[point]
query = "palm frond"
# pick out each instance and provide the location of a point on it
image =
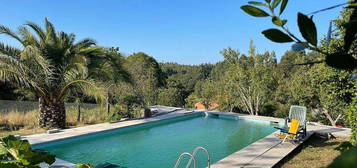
(14, 71)
(76, 71)
(27, 37)
(88, 88)
(9, 51)
(35, 27)
(92, 51)
(5, 30)
(87, 42)
(33, 58)
(51, 36)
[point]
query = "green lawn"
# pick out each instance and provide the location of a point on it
(316, 152)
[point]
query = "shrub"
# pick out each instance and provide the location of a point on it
(269, 108)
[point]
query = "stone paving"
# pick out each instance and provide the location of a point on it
(265, 152)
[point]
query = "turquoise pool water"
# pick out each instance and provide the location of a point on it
(158, 144)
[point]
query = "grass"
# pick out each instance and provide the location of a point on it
(317, 152)
(25, 123)
(21, 117)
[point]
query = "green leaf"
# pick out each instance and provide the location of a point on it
(275, 3)
(307, 29)
(276, 35)
(283, 5)
(3, 150)
(256, 3)
(9, 164)
(277, 21)
(13, 142)
(39, 156)
(21, 153)
(268, 1)
(253, 11)
(341, 61)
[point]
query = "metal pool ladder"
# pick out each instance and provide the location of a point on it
(193, 157)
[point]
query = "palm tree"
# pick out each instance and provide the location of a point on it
(50, 64)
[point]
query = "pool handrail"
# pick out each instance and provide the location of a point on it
(194, 156)
(182, 155)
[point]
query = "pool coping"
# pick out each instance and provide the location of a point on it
(265, 152)
(36, 139)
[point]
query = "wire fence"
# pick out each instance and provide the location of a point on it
(7, 106)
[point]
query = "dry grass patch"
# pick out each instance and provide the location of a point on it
(15, 120)
(317, 152)
(25, 123)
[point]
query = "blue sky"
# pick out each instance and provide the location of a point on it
(183, 31)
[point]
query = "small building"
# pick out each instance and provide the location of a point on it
(200, 106)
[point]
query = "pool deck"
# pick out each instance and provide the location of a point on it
(270, 150)
(265, 152)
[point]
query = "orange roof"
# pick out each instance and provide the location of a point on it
(200, 106)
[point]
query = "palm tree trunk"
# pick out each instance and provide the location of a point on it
(52, 115)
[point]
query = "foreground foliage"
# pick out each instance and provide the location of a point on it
(341, 58)
(16, 153)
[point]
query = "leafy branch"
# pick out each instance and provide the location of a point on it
(341, 59)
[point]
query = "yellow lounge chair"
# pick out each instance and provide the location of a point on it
(291, 133)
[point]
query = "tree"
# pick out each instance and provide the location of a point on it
(337, 50)
(146, 76)
(205, 93)
(50, 64)
(352, 113)
(340, 58)
(185, 77)
(332, 88)
(171, 97)
(249, 80)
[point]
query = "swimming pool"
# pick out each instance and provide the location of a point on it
(158, 144)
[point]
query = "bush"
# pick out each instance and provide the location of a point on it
(269, 108)
(282, 111)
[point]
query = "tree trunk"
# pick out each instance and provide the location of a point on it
(79, 112)
(52, 115)
(329, 117)
(231, 109)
